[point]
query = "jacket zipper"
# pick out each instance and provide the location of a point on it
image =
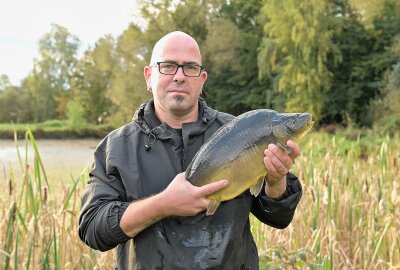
(182, 155)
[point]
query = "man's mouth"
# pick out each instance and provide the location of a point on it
(177, 91)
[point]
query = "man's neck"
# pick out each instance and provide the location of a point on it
(176, 121)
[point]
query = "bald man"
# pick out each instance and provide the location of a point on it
(138, 191)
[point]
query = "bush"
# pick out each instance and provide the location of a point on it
(76, 115)
(385, 111)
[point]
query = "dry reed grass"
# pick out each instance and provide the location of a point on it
(347, 218)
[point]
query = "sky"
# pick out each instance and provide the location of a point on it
(24, 22)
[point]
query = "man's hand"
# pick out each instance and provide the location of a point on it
(278, 163)
(184, 199)
(180, 198)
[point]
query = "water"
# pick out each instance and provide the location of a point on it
(61, 158)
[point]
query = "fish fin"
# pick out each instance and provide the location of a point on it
(256, 189)
(285, 148)
(212, 207)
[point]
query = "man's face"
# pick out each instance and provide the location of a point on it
(176, 94)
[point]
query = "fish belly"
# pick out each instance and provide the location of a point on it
(243, 172)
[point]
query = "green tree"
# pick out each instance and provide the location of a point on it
(295, 50)
(49, 81)
(76, 115)
(233, 38)
(385, 109)
(128, 87)
(4, 82)
(358, 79)
(92, 80)
(15, 105)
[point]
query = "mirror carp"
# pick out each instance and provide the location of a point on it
(236, 151)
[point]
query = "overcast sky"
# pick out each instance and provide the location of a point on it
(24, 22)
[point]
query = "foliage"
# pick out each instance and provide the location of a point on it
(295, 51)
(367, 56)
(92, 80)
(4, 82)
(128, 88)
(14, 105)
(49, 82)
(385, 111)
(76, 115)
(233, 85)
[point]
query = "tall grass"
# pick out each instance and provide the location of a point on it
(38, 225)
(347, 218)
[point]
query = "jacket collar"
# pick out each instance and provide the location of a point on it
(148, 122)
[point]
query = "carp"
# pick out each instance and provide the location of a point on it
(236, 151)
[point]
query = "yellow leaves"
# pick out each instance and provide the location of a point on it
(368, 10)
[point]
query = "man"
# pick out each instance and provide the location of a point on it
(137, 189)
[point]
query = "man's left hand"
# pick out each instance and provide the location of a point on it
(278, 163)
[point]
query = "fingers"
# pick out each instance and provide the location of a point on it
(274, 171)
(185, 199)
(295, 149)
(212, 187)
(278, 162)
(278, 158)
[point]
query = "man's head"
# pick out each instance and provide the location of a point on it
(175, 94)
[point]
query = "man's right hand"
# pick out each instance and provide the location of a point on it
(180, 198)
(184, 199)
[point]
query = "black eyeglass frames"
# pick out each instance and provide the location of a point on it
(190, 70)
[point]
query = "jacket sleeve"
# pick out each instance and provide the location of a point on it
(278, 213)
(103, 203)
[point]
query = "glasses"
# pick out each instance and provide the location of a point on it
(190, 70)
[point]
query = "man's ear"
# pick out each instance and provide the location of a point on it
(204, 76)
(147, 76)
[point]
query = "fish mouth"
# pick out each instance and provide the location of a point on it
(304, 130)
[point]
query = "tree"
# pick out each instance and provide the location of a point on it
(385, 109)
(49, 82)
(76, 115)
(365, 50)
(128, 87)
(92, 80)
(14, 105)
(230, 51)
(295, 49)
(4, 82)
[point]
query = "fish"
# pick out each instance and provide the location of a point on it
(236, 151)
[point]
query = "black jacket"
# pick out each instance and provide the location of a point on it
(124, 171)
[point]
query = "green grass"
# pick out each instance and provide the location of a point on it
(347, 218)
(54, 129)
(49, 125)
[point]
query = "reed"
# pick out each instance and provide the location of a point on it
(347, 218)
(38, 224)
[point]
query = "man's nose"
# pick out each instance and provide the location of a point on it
(179, 75)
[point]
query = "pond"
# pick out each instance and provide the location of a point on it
(61, 158)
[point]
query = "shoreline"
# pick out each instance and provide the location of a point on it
(56, 134)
